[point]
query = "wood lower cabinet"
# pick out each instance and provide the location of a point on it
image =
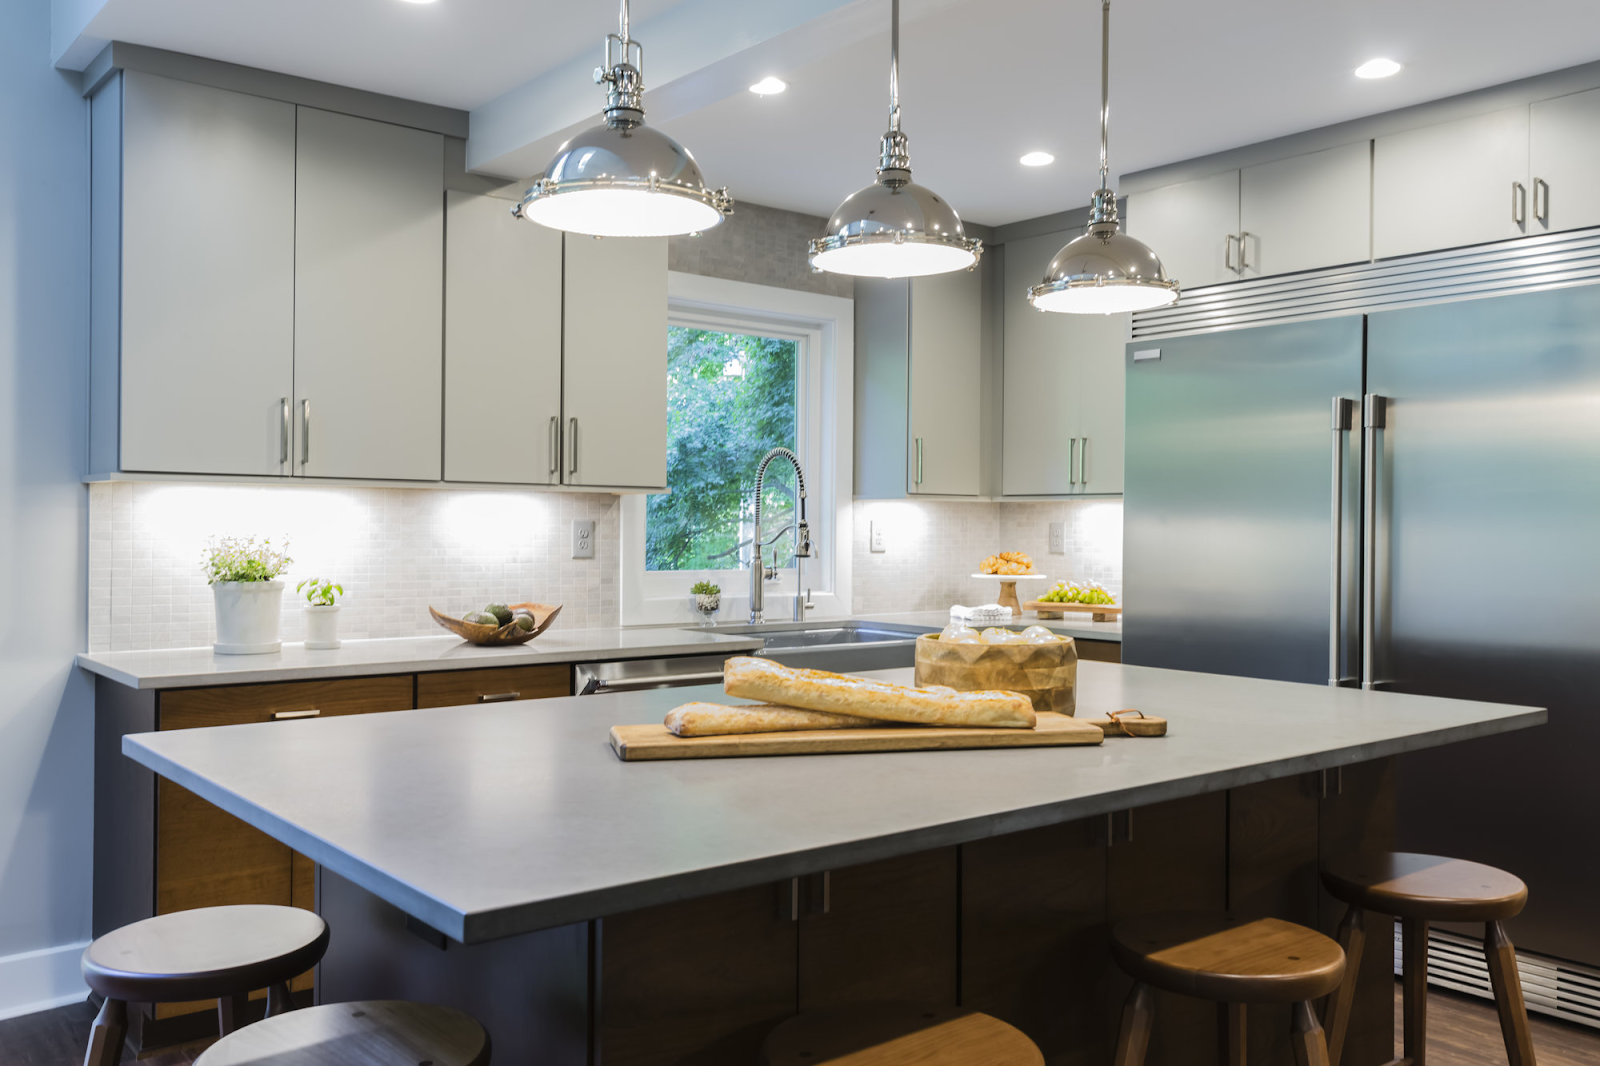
(503, 684)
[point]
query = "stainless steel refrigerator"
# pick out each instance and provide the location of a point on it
(1410, 497)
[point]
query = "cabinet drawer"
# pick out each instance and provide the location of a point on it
(239, 704)
(451, 688)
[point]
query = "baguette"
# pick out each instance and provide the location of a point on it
(819, 690)
(715, 719)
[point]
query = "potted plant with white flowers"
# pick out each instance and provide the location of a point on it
(243, 575)
(322, 612)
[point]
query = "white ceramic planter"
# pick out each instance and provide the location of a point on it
(249, 617)
(322, 627)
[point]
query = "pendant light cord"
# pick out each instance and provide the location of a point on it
(622, 20)
(1105, 86)
(894, 66)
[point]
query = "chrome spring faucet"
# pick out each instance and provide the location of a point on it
(802, 539)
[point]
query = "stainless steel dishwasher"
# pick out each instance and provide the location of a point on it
(635, 675)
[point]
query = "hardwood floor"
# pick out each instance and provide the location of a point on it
(1461, 1032)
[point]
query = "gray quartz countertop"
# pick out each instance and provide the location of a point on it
(492, 820)
(191, 667)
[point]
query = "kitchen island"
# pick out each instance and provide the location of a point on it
(503, 859)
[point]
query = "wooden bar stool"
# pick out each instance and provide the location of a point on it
(896, 1034)
(372, 1033)
(1234, 962)
(220, 953)
(1419, 889)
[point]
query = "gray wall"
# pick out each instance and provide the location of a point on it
(46, 706)
(762, 245)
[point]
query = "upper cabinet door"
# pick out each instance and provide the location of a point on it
(1041, 395)
(1193, 226)
(207, 339)
(368, 298)
(1306, 212)
(1097, 348)
(1564, 157)
(614, 362)
(946, 384)
(1460, 183)
(502, 345)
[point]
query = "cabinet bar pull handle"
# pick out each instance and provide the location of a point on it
(285, 716)
(1244, 251)
(283, 435)
(1374, 418)
(1083, 462)
(1227, 252)
(1519, 203)
(305, 432)
(572, 465)
(919, 460)
(1111, 828)
(794, 899)
(555, 445)
(1343, 419)
(499, 697)
(1072, 461)
(1541, 204)
(827, 891)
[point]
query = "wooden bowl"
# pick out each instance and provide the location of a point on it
(490, 636)
(1045, 673)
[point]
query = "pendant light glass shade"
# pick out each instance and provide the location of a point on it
(622, 178)
(1105, 271)
(894, 228)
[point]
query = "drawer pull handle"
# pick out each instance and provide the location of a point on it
(285, 716)
(499, 697)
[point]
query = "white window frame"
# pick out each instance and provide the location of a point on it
(825, 326)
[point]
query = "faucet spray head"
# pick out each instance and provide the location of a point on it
(802, 540)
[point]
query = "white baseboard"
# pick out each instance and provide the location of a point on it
(38, 980)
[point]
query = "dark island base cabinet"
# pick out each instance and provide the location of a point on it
(1016, 926)
(159, 848)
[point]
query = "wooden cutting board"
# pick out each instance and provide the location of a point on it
(1101, 612)
(648, 743)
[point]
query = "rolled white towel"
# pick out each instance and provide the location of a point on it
(988, 612)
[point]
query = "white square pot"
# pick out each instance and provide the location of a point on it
(322, 627)
(249, 617)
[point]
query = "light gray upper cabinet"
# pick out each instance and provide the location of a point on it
(502, 345)
(614, 389)
(1063, 432)
(206, 278)
(368, 299)
(1305, 212)
(1564, 160)
(1193, 226)
(1454, 184)
(946, 336)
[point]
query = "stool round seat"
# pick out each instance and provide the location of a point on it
(207, 953)
(1217, 957)
(370, 1033)
(1427, 887)
(896, 1034)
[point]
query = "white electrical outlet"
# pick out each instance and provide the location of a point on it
(875, 537)
(1058, 538)
(583, 538)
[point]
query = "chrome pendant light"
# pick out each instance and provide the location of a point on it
(622, 178)
(1105, 270)
(894, 228)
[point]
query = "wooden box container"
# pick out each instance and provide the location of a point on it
(1045, 673)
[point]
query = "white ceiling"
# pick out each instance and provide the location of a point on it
(982, 80)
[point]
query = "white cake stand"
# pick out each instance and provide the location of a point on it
(1008, 589)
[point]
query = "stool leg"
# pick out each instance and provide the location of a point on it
(277, 999)
(1231, 1033)
(1310, 1043)
(1414, 988)
(1353, 939)
(230, 1009)
(1508, 994)
(1138, 1015)
(107, 1036)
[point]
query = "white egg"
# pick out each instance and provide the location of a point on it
(995, 635)
(1039, 635)
(956, 630)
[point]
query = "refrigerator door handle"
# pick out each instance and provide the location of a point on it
(1343, 421)
(1374, 418)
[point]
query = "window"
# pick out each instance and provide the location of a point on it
(749, 368)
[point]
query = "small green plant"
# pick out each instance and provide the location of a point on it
(243, 559)
(320, 593)
(706, 588)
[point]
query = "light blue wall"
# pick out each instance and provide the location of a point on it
(46, 706)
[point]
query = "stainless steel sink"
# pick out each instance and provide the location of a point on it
(847, 646)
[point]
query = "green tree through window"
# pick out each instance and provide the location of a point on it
(730, 398)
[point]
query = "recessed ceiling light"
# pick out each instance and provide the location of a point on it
(1037, 159)
(769, 86)
(417, 1)
(1377, 68)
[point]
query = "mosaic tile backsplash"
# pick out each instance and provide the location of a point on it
(397, 551)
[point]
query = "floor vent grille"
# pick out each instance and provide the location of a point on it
(1527, 264)
(1560, 989)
